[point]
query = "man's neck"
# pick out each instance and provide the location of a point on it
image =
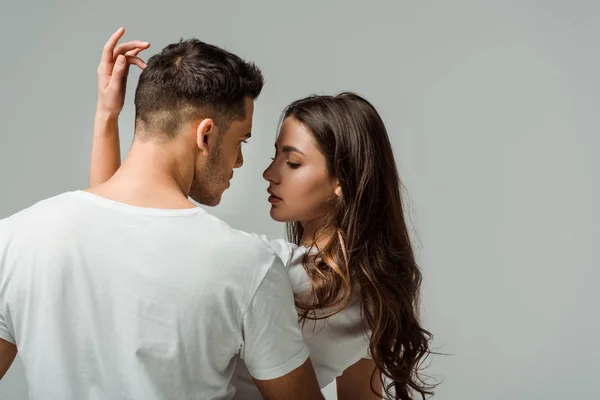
(151, 177)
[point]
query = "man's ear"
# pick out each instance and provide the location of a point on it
(206, 136)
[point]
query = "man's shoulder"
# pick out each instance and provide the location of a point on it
(33, 212)
(241, 242)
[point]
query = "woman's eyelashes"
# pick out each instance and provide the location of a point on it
(292, 165)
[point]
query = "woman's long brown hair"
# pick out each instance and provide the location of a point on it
(369, 255)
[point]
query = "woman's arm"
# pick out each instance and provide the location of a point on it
(106, 148)
(355, 382)
(112, 82)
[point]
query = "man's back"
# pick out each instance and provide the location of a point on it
(106, 300)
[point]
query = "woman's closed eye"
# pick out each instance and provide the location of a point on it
(292, 165)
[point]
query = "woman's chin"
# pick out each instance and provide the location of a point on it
(277, 215)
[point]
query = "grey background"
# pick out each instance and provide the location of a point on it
(492, 111)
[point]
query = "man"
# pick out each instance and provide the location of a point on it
(127, 290)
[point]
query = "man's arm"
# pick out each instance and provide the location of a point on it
(8, 352)
(273, 350)
(355, 382)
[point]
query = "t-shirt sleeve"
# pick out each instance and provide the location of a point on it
(367, 354)
(282, 248)
(5, 331)
(273, 344)
(5, 325)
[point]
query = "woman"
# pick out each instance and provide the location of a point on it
(333, 181)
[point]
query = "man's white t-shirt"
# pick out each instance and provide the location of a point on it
(109, 301)
(334, 343)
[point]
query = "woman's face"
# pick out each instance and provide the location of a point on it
(300, 186)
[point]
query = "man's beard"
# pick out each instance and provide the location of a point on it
(209, 184)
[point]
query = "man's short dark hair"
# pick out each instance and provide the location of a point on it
(193, 79)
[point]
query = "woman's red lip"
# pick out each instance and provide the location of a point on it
(273, 194)
(274, 199)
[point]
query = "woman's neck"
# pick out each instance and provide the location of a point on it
(312, 235)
